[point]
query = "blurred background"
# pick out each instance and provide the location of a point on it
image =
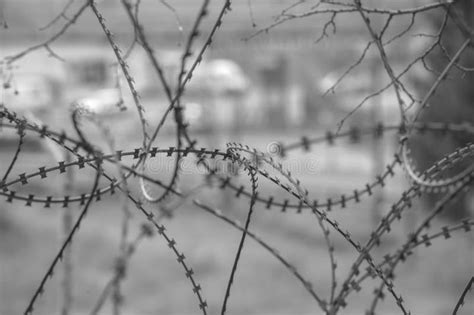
(255, 86)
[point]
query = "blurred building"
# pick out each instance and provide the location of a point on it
(285, 71)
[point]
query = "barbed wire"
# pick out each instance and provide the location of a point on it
(82, 154)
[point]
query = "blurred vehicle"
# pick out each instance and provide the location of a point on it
(114, 111)
(103, 102)
(215, 96)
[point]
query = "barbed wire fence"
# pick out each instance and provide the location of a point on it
(80, 153)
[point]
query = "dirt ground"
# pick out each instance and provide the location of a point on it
(430, 281)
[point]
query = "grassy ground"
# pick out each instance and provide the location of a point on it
(430, 281)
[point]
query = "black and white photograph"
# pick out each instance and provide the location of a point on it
(236, 157)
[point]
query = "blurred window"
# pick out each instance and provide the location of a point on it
(273, 72)
(91, 72)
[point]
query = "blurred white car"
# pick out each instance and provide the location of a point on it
(101, 102)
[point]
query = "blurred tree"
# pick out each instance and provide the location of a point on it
(453, 101)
